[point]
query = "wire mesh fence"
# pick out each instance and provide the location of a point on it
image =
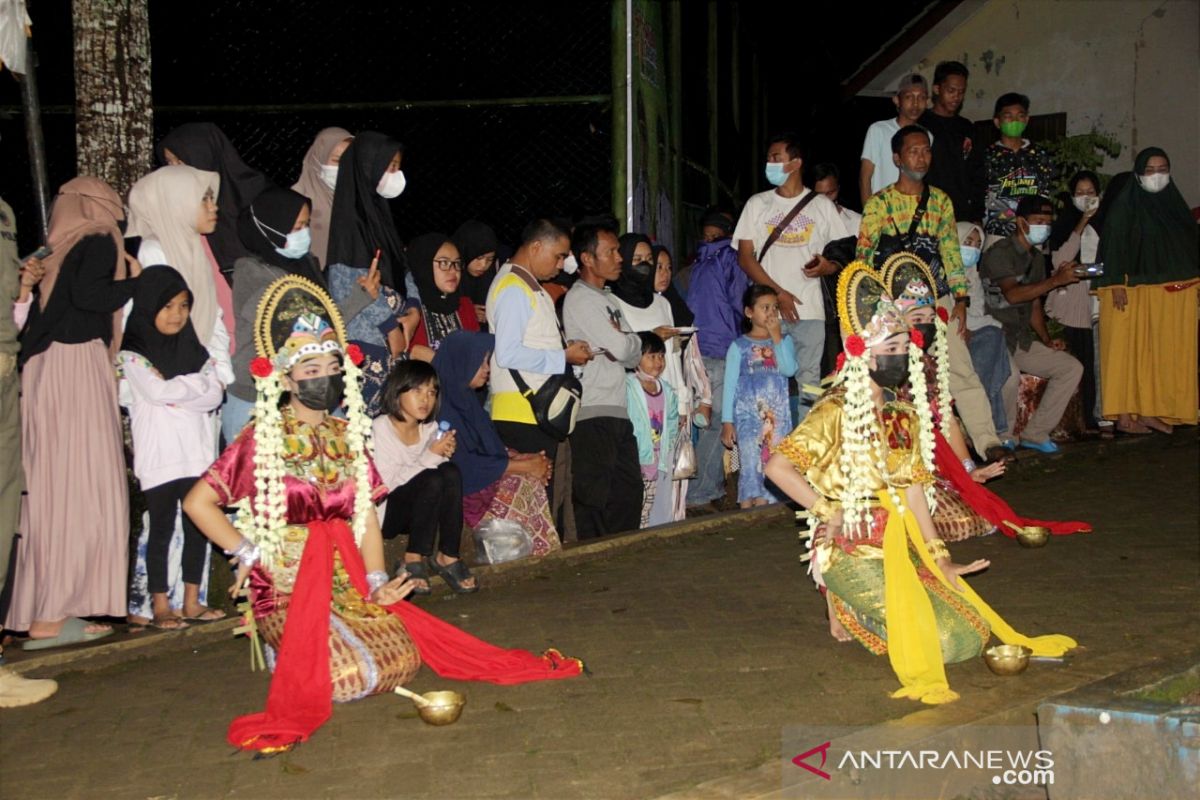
(504, 109)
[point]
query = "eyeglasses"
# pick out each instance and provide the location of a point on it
(448, 264)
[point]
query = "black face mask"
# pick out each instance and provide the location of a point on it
(928, 330)
(321, 394)
(890, 371)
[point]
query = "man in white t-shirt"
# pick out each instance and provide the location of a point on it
(877, 170)
(793, 265)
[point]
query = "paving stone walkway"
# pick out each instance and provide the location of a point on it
(701, 650)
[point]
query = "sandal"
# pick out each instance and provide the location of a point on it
(168, 622)
(454, 575)
(207, 615)
(417, 570)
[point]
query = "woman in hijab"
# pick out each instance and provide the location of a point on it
(204, 146)
(274, 230)
(73, 558)
(664, 272)
(366, 255)
(1075, 236)
(170, 385)
(497, 483)
(1148, 295)
(437, 269)
(477, 244)
(172, 209)
(318, 179)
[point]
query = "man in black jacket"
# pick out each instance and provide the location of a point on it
(957, 167)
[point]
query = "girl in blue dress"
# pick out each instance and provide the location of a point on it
(756, 414)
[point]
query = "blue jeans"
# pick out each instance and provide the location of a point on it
(709, 483)
(989, 356)
(234, 416)
(808, 335)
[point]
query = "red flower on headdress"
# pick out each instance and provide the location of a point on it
(917, 338)
(855, 345)
(943, 314)
(355, 354)
(841, 362)
(261, 367)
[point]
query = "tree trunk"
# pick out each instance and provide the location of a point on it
(114, 114)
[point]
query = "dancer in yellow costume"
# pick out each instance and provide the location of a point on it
(856, 464)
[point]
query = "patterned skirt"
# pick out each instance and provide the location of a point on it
(853, 574)
(954, 520)
(370, 651)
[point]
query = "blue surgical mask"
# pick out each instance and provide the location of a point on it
(775, 174)
(297, 245)
(970, 255)
(1038, 234)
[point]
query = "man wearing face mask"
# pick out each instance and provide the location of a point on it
(1014, 280)
(1015, 168)
(779, 238)
(912, 216)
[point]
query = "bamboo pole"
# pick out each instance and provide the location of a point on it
(713, 127)
(676, 66)
(620, 110)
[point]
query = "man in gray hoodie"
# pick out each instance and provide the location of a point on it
(607, 484)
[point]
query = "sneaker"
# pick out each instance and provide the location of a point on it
(1042, 447)
(16, 690)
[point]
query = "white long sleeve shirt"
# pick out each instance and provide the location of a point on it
(171, 420)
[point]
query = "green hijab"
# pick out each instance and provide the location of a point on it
(1149, 237)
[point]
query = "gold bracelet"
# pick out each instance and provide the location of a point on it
(822, 509)
(937, 549)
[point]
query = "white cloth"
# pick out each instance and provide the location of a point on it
(805, 237)
(851, 219)
(877, 148)
(171, 421)
(647, 319)
(397, 462)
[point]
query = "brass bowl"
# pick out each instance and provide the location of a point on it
(1007, 659)
(444, 708)
(1033, 536)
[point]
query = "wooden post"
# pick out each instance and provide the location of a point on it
(620, 111)
(114, 113)
(676, 147)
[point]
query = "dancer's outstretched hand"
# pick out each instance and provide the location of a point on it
(952, 570)
(393, 591)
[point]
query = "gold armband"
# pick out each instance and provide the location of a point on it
(937, 549)
(822, 509)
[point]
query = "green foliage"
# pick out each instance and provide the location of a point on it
(1084, 151)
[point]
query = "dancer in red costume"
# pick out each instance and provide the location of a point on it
(308, 537)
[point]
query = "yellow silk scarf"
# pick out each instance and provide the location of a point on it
(912, 636)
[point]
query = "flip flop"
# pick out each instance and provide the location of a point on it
(169, 622)
(207, 615)
(72, 633)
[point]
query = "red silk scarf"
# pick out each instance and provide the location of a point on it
(986, 504)
(301, 696)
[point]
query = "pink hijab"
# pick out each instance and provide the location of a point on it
(316, 190)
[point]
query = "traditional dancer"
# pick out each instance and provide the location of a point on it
(858, 463)
(963, 507)
(309, 541)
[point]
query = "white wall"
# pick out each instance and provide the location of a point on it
(1127, 67)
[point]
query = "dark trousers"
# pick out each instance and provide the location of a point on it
(525, 438)
(1080, 344)
(428, 508)
(607, 485)
(162, 502)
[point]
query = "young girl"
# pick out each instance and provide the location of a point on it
(755, 413)
(170, 384)
(655, 417)
(425, 487)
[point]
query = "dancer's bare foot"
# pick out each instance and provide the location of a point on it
(836, 629)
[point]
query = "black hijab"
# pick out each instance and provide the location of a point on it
(635, 285)
(419, 255)
(473, 239)
(172, 356)
(275, 209)
(361, 220)
(205, 146)
(681, 315)
(480, 454)
(1069, 216)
